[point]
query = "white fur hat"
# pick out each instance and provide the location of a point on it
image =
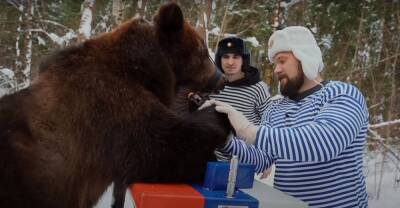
(301, 42)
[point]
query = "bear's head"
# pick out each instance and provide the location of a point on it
(162, 55)
(179, 39)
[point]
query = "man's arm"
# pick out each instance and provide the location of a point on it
(336, 126)
(249, 154)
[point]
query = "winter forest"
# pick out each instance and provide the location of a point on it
(359, 39)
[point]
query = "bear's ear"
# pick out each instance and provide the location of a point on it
(169, 22)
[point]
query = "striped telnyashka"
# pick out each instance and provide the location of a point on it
(317, 145)
(250, 100)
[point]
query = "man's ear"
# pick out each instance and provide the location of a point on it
(169, 22)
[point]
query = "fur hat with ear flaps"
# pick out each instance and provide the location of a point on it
(301, 42)
(232, 45)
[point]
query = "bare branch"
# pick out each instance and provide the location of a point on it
(56, 23)
(387, 123)
(376, 105)
(382, 60)
(377, 138)
(293, 2)
(15, 4)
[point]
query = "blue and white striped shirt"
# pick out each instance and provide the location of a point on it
(251, 100)
(317, 145)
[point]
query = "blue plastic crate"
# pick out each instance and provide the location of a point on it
(216, 177)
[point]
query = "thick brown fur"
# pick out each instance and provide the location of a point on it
(100, 112)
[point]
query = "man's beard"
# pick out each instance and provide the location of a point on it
(292, 86)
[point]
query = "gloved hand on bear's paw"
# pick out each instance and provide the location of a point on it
(244, 128)
(197, 99)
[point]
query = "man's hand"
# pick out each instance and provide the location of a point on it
(265, 173)
(244, 128)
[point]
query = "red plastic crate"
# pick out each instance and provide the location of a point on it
(166, 196)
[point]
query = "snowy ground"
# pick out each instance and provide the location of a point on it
(383, 183)
(106, 200)
(381, 194)
(383, 180)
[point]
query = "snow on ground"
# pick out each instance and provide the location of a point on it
(383, 180)
(106, 199)
(384, 194)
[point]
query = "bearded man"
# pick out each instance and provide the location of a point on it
(315, 134)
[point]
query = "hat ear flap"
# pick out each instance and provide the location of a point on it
(218, 56)
(217, 60)
(246, 58)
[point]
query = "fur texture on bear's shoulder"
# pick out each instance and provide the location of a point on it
(101, 112)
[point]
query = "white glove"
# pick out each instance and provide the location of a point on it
(244, 128)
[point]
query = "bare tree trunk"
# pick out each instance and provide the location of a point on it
(382, 172)
(141, 8)
(343, 51)
(267, 72)
(275, 19)
(24, 54)
(223, 25)
(356, 65)
(204, 19)
(85, 27)
(392, 110)
(374, 97)
(27, 60)
(19, 75)
(117, 11)
(385, 141)
(276, 15)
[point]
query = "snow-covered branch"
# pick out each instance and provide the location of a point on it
(217, 32)
(63, 40)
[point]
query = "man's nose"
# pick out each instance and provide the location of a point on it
(278, 69)
(230, 61)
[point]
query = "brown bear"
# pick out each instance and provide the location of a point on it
(101, 112)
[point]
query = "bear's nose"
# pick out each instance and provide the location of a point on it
(217, 81)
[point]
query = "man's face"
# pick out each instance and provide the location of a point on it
(231, 63)
(288, 70)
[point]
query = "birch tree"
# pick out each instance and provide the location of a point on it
(224, 23)
(117, 11)
(23, 47)
(141, 8)
(18, 67)
(27, 60)
(85, 27)
(204, 17)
